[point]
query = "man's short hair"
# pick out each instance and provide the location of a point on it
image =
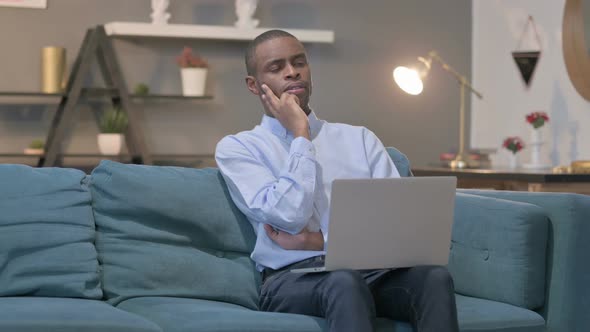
(251, 49)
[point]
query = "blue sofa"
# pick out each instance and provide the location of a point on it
(146, 248)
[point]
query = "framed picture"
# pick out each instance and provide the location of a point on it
(24, 3)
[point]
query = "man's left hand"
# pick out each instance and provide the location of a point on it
(305, 240)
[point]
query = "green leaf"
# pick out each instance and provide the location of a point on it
(113, 121)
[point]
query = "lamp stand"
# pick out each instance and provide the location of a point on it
(462, 158)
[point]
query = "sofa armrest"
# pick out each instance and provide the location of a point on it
(498, 250)
(568, 273)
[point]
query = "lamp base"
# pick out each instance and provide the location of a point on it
(458, 162)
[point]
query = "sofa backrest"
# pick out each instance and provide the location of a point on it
(46, 234)
(401, 162)
(171, 231)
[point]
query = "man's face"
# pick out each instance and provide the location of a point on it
(281, 63)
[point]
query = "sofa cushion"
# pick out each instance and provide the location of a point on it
(171, 231)
(46, 233)
(499, 250)
(479, 315)
(184, 315)
(39, 314)
(568, 295)
(188, 315)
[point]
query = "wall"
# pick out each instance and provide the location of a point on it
(497, 28)
(352, 77)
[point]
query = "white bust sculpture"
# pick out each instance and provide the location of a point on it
(159, 14)
(244, 11)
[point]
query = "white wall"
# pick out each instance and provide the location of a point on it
(497, 27)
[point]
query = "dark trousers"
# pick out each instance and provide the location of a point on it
(350, 300)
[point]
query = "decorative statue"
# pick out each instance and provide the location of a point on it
(244, 11)
(159, 14)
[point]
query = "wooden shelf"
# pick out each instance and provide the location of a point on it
(97, 47)
(100, 93)
(19, 155)
(28, 94)
(106, 92)
(99, 155)
(215, 32)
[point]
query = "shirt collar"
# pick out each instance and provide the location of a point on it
(277, 128)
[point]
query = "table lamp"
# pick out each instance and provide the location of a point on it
(410, 80)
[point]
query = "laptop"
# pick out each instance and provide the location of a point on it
(389, 223)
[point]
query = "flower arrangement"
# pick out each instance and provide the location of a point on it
(188, 59)
(514, 144)
(537, 119)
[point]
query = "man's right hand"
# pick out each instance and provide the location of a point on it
(287, 110)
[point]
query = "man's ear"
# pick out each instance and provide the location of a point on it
(251, 83)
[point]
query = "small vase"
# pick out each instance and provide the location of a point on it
(53, 69)
(513, 161)
(193, 81)
(245, 11)
(536, 136)
(535, 145)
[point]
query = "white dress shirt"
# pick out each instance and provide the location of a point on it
(285, 182)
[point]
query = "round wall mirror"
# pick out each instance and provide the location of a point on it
(576, 44)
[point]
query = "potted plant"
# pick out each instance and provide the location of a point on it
(141, 89)
(36, 147)
(112, 125)
(537, 120)
(193, 72)
(513, 144)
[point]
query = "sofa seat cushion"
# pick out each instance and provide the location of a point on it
(498, 250)
(171, 231)
(478, 315)
(43, 314)
(188, 315)
(47, 233)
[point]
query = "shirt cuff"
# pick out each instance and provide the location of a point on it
(304, 147)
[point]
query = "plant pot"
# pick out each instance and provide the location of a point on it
(35, 152)
(110, 144)
(193, 81)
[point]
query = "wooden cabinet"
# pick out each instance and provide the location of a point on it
(507, 179)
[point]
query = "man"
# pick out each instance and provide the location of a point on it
(279, 175)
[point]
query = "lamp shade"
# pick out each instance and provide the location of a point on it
(408, 80)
